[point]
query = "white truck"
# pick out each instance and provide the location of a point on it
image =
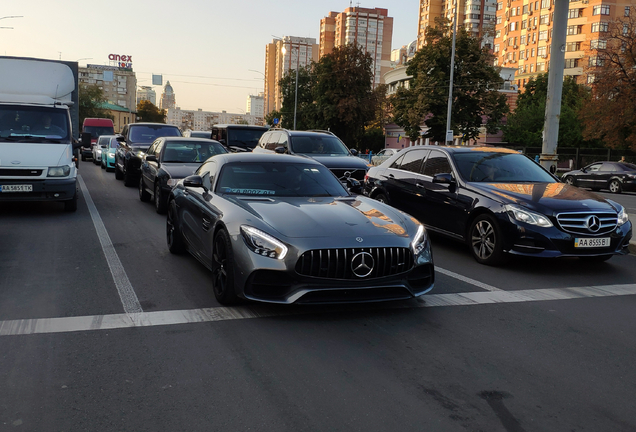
(37, 142)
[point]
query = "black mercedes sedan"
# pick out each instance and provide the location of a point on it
(284, 229)
(613, 176)
(500, 202)
(168, 160)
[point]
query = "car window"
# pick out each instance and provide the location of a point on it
(499, 167)
(272, 141)
(608, 167)
(396, 164)
(191, 151)
(593, 167)
(147, 134)
(318, 144)
(153, 148)
(437, 163)
(412, 160)
(282, 141)
(113, 143)
(262, 142)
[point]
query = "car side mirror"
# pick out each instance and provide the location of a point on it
(76, 144)
(583, 170)
(354, 152)
(103, 146)
(194, 181)
(280, 150)
(151, 158)
(444, 178)
(120, 138)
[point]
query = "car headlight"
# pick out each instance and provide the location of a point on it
(419, 241)
(140, 154)
(262, 243)
(622, 216)
(111, 154)
(522, 215)
(59, 171)
(171, 182)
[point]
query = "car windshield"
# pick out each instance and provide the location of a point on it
(96, 131)
(146, 134)
(33, 123)
(244, 137)
(318, 145)
(113, 143)
(191, 152)
(200, 134)
(497, 167)
(279, 179)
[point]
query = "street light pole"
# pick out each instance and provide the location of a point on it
(297, 66)
(450, 88)
(7, 17)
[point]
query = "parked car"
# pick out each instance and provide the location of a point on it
(322, 146)
(283, 229)
(236, 137)
(134, 140)
(615, 176)
(168, 160)
(500, 202)
(197, 134)
(96, 150)
(383, 155)
(108, 153)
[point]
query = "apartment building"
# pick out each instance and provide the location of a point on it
(255, 105)
(282, 55)
(204, 120)
(524, 31)
(371, 29)
(146, 93)
(118, 84)
(477, 16)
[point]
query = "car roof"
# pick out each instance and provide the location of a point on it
(264, 157)
(151, 124)
(233, 126)
(193, 139)
(467, 149)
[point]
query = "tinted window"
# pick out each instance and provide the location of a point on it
(147, 134)
(113, 143)
(272, 140)
(437, 163)
(318, 144)
(96, 131)
(200, 134)
(191, 152)
(396, 164)
(247, 138)
(608, 167)
(412, 160)
(499, 167)
(278, 179)
(593, 167)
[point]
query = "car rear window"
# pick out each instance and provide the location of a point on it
(147, 134)
(497, 167)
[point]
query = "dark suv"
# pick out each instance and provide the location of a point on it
(322, 146)
(133, 142)
(236, 137)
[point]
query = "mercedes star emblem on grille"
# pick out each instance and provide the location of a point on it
(362, 264)
(593, 223)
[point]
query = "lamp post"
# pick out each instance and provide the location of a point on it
(296, 91)
(7, 17)
(452, 73)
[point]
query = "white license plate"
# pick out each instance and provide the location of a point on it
(16, 188)
(591, 242)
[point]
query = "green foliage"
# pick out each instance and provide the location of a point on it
(91, 97)
(373, 139)
(148, 112)
(525, 125)
(304, 118)
(475, 94)
(269, 118)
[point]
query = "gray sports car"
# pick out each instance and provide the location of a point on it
(284, 229)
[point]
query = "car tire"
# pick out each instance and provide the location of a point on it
(485, 240)
(223, 269)
(70, 206)
(143, 193)
(83, 158)
(128, 178)
(382, 198)
(596, 259)
(570, 180)
(102, 164)
(160, 203)
(118, 174)
(174, 236)
(95, 161)
(615, 187)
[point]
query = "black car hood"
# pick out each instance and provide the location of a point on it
(179, 170)
(545, 198)
(344, 161)
(326, 216)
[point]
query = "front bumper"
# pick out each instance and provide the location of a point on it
(110, 161)
(43, 190)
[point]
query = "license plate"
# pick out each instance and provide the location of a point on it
(16, 188)
(591, 242)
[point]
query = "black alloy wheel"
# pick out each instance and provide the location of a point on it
(223, 269)
(143, 193)
(570, 180)
(485, 240)
(160, 201)
(176, 245)
(102, 164)
(615, 187)
(382, 198)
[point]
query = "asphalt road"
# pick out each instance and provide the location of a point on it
(533, 346)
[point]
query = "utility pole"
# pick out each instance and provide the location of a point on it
(449, 132)
(549, 157)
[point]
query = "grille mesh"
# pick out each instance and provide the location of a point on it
(577, 223)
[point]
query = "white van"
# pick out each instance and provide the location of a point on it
(36, 138)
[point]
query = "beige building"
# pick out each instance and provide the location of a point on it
(204, 120)
(118, 84)
(297, 52)
(524, 32)
(146, 93)
(167, 97)
(371, 29)
(477, 16)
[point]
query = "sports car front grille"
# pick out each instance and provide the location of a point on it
(9, 172)
(579, 223)
(337, 263)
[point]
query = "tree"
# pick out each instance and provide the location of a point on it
(269, 118)
(475, 94)
(610, 114)
(91, 98)
(148, 112)
(304, 117)
(525, 125)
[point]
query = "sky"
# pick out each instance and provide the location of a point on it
(206, 49)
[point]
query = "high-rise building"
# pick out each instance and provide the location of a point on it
(524, 32)
(255, 105)
(167, 97)
(297, 52)
(146, 93)
(477, 16)
(118, 84)
(371, 29)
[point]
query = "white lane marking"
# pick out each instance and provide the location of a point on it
(126, 292)
(466, 279)
(174, 317)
